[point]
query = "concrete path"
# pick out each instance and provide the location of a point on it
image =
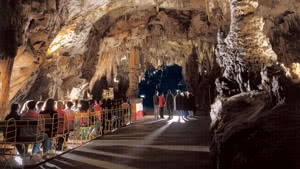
(149, 144)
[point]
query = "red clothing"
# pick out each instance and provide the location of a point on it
(125, 105)
(34, 115)
(70, 114)
(97, 107)
(161, 101)
(62, 124)
(83, 121)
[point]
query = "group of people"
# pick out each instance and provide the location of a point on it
(183, 104)
(33, 110)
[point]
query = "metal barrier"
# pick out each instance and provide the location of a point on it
(8, 136)
(87, 126)
(51, 129)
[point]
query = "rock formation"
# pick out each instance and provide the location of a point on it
(72, 43)
(255, 116)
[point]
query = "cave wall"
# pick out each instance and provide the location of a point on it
(72, 43)
(255, 116)
(69, 47)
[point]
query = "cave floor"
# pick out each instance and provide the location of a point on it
(147, 144)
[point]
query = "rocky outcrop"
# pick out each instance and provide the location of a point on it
(255, 117)
(258, 129)
(71, 44)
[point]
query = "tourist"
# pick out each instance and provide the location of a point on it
(84, 121)
(156, 104)
(97, 106)
(91, 105)
(75, 107)
(162, 103)
(191, 102)
(62, 123)
(178, 104)
(103, 105)
(170, 104)
(13, 114)
(70, 114)
(109, 104)
(24, 108)
(31, 114)
(39, 106)
(186, 104)
(49, 108)
(49, 112)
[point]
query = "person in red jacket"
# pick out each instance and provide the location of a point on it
(162, 103)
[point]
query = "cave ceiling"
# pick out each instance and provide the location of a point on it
(72, 43)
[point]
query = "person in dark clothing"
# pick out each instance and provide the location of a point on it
(13, 114)
(91, 105)
(14, 108)
(103, 105)
(156, 105)
(49, 112)
(49, 108)
(39, 106)
(186, 104)
(192, 107)
(179, 104)
(109, 104)
(170, 104)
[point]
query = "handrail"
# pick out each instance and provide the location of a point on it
(109, 119)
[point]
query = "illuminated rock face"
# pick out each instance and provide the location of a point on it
(256, 113)
(96, 38)
(72, 43)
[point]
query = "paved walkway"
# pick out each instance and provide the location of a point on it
(144, 145)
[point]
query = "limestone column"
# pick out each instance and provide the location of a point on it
(8, 48)
(134, 72)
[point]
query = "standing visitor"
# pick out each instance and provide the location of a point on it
(178, 104)
(186, 103)
(170, 104)
(156, 104)
(97, 108)
(162, 103)
(192, 104)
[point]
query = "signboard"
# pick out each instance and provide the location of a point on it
(137, 109)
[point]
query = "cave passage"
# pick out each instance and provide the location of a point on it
(161, 79)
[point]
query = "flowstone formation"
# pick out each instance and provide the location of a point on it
(255, 117)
